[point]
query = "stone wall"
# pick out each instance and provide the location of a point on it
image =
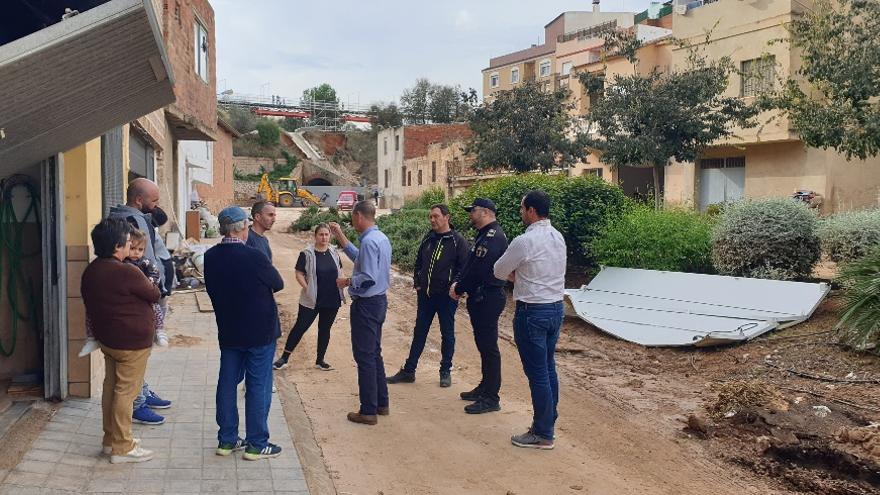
(244, 191)
(254, 164)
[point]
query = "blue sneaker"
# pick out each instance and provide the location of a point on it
(145, 416)
(156, 402)
(268, 452)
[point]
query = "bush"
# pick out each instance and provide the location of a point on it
(405, 229)
(670, 240)
(850, 236)
(766, 238)
(860, 324)
(580, 207)
(314, 216)
(269, 132)
(427, 199)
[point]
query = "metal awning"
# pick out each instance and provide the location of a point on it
(656, 308)
(72, 81)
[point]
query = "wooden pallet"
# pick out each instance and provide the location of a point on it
(204, 302)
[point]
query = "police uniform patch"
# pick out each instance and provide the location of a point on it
(481, 251)
(491, 233)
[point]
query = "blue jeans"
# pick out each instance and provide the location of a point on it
(444, 307)
(141, 399)
(254, 366)
(536, 331)
(367, 317)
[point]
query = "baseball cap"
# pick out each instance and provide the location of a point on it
(485, 203)
(231, 214)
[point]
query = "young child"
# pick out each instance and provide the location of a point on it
(136, 258)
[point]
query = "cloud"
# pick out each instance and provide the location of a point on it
(463, 19)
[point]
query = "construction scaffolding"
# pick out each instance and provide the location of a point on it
(316, 114)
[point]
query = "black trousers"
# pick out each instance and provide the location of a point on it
(304, 319)
(367, 318)
(484, 316)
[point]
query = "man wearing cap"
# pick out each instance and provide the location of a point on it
(241, 282)
(485, 302)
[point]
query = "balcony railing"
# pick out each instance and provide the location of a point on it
(588, 33)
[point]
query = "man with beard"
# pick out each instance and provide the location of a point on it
(485, 302)
(142, 198)
(263, 214)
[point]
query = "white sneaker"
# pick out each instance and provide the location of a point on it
(90, 346)
(137, 454)
(107, 450)
(162, 339)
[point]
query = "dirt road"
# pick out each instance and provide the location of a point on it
(428, 445)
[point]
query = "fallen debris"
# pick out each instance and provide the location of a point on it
(655, 308)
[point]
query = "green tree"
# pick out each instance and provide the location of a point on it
(321, 93)
(242, 119)
(839, 108)
(525, 129)
(291, 124)
(416, 102)
(383, 116)
(268, 132)
(646, 120)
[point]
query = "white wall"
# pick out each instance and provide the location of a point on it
(195, 162)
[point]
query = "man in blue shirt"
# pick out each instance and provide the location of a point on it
(367, 286)
(263, 214)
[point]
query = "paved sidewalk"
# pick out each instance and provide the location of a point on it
(66, 457)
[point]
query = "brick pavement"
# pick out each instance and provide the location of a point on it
(66, 457)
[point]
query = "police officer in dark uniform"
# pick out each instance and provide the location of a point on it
(485, 302)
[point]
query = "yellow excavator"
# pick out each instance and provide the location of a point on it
(286, 194)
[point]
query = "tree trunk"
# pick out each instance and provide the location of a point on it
(658, 198)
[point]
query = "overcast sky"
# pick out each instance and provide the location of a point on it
(372, 50)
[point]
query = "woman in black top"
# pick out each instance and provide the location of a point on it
(317, 269)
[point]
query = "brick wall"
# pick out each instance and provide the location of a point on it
(417, 138)
(220, 193)
(195, 97)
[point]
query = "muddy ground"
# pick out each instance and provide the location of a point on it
(632, 419)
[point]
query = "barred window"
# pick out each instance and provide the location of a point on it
(758, 75)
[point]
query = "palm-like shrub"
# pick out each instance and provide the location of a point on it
(860, 324)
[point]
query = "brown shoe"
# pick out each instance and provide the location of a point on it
(365, 419)
(383, 411)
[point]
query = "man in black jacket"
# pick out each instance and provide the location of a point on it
(440, 257)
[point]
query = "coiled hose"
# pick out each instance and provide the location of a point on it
(12, 256)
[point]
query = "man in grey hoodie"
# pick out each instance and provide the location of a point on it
(142, 197)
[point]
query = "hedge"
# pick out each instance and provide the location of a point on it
(426, 200)
(669, 240)
(850, 236)
(774, 238)
(580, 207)
(405, 229)
(313, 216)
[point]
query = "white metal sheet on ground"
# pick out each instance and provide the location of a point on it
(597, 297)
(678, 309)
(792, 298)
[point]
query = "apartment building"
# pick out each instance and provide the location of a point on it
(770, 159)
(539, 62)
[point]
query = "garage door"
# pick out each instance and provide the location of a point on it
(721, 180)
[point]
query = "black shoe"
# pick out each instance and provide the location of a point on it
(323, 366)
(475, 394)
(483, 405)
(281, 363)
(445, 379)
(402, 376)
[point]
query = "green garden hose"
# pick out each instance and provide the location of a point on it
(12, 256)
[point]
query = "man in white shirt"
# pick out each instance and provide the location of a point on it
(535, 262)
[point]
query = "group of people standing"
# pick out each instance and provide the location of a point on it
(125, 308)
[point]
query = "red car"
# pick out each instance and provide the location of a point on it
(346, 200)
